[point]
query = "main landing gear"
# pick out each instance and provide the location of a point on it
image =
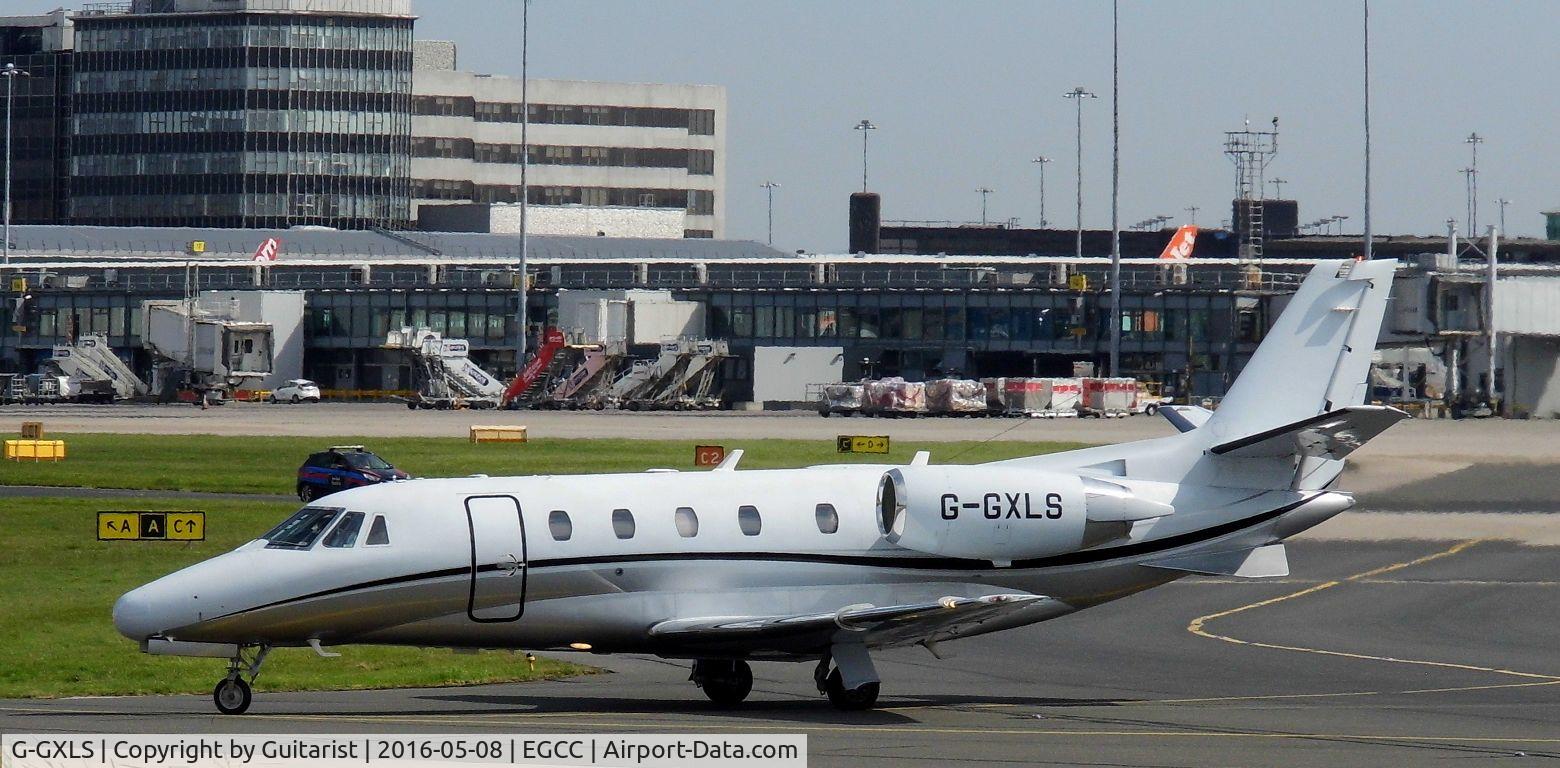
(726, 681)
(862, 697)
(233, 695)
(852, 686)
(845, 674)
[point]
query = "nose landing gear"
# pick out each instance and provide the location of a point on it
(233, 695)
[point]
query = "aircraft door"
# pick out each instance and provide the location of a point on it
(497, 559)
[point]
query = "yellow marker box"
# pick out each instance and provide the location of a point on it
(35, 450)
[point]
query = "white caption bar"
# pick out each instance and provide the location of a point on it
(393, 751)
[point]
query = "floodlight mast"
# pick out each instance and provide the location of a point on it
(1078, 94)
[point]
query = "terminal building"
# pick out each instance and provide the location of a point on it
(1190, 327)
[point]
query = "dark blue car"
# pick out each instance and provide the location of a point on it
(342, 467)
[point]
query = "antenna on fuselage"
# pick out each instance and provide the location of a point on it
(729, 464)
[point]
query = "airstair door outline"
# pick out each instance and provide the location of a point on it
(498, 567)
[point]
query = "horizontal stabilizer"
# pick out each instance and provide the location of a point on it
(1262, 562)
(1331, 435)
(1185, 417)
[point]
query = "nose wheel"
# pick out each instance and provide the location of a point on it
(233, 695)
(726, 681)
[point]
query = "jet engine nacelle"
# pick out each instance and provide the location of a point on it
(1005, 514)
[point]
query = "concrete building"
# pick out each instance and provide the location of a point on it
(592, 144)
(574, 220)
(243, 113)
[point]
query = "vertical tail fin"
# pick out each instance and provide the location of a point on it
(1316, 358)
(1181, 244)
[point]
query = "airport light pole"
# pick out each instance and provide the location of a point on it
(1473, 141)
(525, 190)
(1502, 202)
(1192, 209)
(1040, 162)
(1278, 187)
(864, 126)
(1115, 189)
(984, 193)
(10, 73)
(1365, 44)
(1079, 94)
(769, 187)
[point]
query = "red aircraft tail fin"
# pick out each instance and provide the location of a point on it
(1180, 246)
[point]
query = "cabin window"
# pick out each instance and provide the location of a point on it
(346, 532)
(828, 519)
(559, 525)
(623, 523)
(748, 520)
(301, 530)
(378, 534)
(687, 522)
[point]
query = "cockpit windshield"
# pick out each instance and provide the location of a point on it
(302, 529)
(365, 461)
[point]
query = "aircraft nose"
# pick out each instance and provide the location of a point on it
(134, 615)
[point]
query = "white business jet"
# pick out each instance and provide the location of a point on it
(823, 564)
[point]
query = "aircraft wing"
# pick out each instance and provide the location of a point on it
(1331, 435)
(876, 626)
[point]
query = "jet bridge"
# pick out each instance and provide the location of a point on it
(198, 345)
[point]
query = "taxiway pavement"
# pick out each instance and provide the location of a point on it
(1372, 653)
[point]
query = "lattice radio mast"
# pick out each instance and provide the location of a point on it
(1251, 151)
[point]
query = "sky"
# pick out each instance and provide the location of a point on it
(965, 94)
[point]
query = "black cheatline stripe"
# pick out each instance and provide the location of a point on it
(911, 563)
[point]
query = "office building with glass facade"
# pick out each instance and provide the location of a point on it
(243, 113)
(40, 46)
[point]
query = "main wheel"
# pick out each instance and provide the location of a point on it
(727, 683)
(853, 700)
(232, 696)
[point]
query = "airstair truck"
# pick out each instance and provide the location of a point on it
(447, 376)
(93, 363)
